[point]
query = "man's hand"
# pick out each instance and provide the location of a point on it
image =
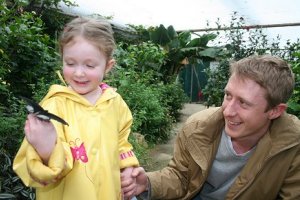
(130, 182)
(130, 188)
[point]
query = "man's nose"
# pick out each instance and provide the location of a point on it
(229, 108)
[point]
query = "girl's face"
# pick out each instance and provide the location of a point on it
(84, 66)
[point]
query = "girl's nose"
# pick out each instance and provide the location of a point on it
(79, 71)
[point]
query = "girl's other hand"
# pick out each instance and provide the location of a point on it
(128, 183)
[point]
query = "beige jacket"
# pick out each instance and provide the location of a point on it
(273, 171)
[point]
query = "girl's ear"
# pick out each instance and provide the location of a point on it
(277, 111)
(109, 65)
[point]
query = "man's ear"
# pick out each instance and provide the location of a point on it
(277, 111)
(109, 65)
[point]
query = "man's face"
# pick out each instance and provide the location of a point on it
(244, 109)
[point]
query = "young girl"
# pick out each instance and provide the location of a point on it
(82, 160)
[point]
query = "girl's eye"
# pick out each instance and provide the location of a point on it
(70, 64)
(90, 66)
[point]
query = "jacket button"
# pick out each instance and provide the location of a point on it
(94, 151)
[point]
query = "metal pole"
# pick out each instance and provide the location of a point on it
(192, 77)
(243, 27)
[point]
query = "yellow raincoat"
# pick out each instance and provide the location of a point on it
(89, 153)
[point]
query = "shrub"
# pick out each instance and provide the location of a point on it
(214, 89)
(294, 102)
(154, 105)
(11, 133)
(240, 43)
(27, 53)
(173, 97)
(151, 118)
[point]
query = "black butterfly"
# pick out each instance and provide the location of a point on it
(38, 111)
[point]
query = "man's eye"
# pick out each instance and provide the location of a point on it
(227, 95)
(244, 103)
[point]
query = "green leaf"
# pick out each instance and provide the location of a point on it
(294, 106)
(210, 52)
(7, 196)
(172, 33)
(184, 38)
(202, 41)
(160, 36)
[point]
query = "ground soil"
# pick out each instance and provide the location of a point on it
(160, 155)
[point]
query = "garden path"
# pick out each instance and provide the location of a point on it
(161, 154)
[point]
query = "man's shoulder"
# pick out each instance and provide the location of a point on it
(203, 127)
(286, 127)
(206, 114)
(289, 120)
(204, 120)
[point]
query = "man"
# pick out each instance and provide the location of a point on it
(247, 149)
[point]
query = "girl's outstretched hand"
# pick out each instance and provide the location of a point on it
(41, 135)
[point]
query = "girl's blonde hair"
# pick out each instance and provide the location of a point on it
(98, 31)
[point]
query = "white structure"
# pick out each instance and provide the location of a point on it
(194, 14)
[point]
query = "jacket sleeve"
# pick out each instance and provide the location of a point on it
(29, 166)
(171, 182)
(291, 184)
(127, 156)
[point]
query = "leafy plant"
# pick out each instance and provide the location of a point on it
(143, 99)
(294, 102)
(240, 42)
(173, 97)
(182, 49)
(11, 133)
(27, 53)
(214, 89)
(153, 103)
(145, 57)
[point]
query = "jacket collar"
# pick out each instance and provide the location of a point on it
(282, 135)
(205, 132)
(204, 136)
(63, 91)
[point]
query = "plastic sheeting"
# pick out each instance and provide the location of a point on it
(194, 14)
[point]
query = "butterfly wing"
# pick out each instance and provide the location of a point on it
(57, 118)
(35, 108)
(32, 107)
